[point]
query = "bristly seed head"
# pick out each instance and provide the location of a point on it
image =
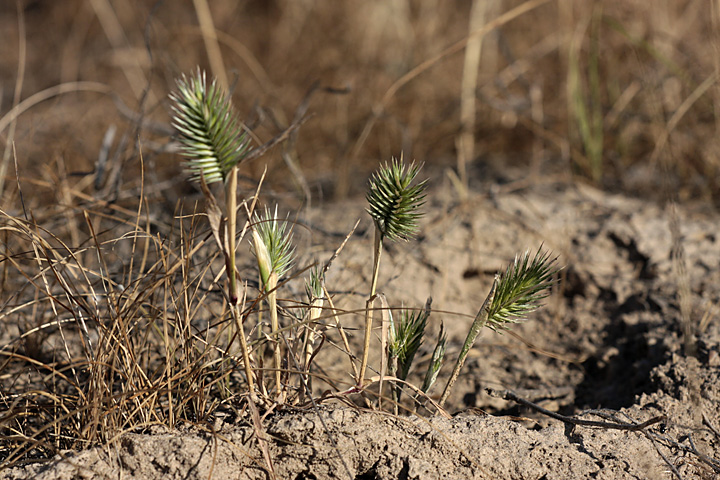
(522, 287)
(272, 245)
(213, 140)
(393, 202)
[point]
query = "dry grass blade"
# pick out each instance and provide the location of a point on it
(47, 94)
(115, 34)
(19, 79)
(210, 37)
(473, 49)
(379, 108)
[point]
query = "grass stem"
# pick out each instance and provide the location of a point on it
(274, 327)
(480, 321)
(368, 317)
(231, 199)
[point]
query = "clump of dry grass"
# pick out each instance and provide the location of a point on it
(126, 330)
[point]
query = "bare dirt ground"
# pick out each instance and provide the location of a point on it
(609, 341)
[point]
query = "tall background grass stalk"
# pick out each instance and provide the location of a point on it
(585, 94)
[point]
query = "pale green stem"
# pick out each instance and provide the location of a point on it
(274, 327)
(315, 311)
(376, 264)
(368, 317)
(231, 200)
(261, 347)
(478, 324)
(244, 349)
(392, 371)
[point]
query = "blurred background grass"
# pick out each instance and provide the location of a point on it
(622, 94)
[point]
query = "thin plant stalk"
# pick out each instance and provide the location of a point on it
(268, 280)
(274, 327)
(214, 145)
(468, 95)
(368, 317)
(315, 309)
(478, 324)
(314, 289)
(315, 312)
(377, 253)
(343, 336)
(261, 347)
(245, 351)
(231, 199)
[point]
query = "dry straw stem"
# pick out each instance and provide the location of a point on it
(19, 79)
(473, 50)
(49, 93)
(379, 107)
(250, 60)
(230, 261)
(343, 335)
(202, 9)
(117, 38)
(680, 113)
(123, 390)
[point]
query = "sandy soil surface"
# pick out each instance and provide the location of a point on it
(608, 347)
